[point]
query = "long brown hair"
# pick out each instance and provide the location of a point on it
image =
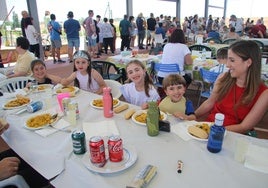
(245, 50)
(147, 80)
(82, 54)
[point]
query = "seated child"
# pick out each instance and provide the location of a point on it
(222, 59)
(140, 90)
(175, 103)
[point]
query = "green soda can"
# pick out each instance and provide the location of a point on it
(79, 142)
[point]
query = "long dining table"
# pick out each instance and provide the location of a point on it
(53, 156)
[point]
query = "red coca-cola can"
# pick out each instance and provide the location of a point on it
(97, 151)
(115, 147)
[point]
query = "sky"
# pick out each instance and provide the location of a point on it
(241, 8)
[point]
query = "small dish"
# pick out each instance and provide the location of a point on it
(43, 87)
(139, 112)
(70, 89)
(116, 103)
(198, 123)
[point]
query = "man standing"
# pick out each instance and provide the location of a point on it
(140, 21)
(151, 23)
(24, 15)
(72, 28)
(90, 27)
(124, 27)
(54, 29)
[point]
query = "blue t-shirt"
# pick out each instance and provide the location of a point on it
(72, 28)
(54, 35)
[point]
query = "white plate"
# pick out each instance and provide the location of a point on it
(194, 137)
(16, 107)
(45, 86)
(76, 89)
(91, 104)
(41, 127)
(145, 111)
(129, 158)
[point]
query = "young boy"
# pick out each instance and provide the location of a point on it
(175, 103)
(222, 59)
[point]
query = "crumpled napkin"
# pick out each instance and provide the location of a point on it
(257, 158)
(102, 128)
(61, 124)
(17, 92)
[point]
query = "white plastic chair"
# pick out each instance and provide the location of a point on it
(115, 86)
(16, 180)
(158, 39)
(11, 84)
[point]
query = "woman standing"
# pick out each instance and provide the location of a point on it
(33, 36)
(133, 31)
(240, 93)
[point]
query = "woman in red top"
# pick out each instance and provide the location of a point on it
(240, 93)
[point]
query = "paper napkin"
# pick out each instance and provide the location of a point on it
(180, 129)
(61, 124)
(102, 128)
(257, 158)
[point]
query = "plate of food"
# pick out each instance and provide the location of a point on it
(98, 103)
(129, 158)
(19, 102)
(65, 89)
(40, 121)
(43, 87)
(199, 130)
(139, 117)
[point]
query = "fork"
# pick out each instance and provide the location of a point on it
(55, 116)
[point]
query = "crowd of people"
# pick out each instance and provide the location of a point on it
(238, 93)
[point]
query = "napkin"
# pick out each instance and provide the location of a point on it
(257, 158)
(102, 128)
(61, 124)
(180, 129)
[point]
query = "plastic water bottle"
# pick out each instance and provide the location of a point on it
(107, 102)
(216, 135)
(203, 57)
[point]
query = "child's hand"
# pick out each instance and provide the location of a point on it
(144, 106)
(180, 115)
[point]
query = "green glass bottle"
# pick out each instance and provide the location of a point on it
(152, 120)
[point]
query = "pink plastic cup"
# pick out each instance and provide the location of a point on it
(61, 96)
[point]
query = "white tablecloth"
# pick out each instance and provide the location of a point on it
(53, 154)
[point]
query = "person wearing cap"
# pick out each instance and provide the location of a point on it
(84, 76)
(54, 29)
(72, 28)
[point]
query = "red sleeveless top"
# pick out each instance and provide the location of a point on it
(226, 106)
